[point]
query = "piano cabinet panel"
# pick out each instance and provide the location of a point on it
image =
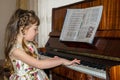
(64, 73)
(114, 73)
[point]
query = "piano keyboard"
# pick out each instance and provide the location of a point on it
(85, 69)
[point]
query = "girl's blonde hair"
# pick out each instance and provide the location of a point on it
(20, 19)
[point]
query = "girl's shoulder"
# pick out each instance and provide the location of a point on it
(16, 47)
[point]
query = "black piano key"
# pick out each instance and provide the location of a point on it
(93, 65)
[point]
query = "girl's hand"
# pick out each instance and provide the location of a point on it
(56, 57)
(68, 62)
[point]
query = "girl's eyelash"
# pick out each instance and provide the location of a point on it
(36, 29)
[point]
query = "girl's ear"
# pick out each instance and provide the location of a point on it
(22, 31)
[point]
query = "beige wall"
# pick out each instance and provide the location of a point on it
(7, 7)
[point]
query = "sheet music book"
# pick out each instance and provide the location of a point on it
(80, 25)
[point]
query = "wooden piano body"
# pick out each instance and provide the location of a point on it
(103, 53)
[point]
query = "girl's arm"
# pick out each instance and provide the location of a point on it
(42, 64)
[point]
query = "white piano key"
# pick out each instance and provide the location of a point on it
(89, 70)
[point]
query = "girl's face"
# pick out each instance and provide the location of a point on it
(31, 32)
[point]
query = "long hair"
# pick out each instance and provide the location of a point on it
(21, 18)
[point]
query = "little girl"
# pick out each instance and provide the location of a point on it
(20, 49)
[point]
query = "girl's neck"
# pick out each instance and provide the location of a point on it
(19, 39)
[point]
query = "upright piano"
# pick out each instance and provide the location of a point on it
(96, 58)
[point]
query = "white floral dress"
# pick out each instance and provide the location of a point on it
(23, 71)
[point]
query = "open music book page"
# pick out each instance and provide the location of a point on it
(80, 25)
